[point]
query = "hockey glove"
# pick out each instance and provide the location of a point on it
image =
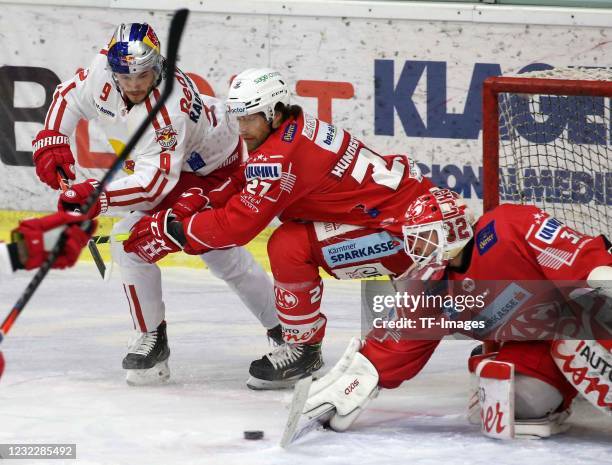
(52, 151)
(154, 237)
(36, 237)
(349, 386)
(75, 197)
(190, 202)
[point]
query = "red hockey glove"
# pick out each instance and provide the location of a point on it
(74, 198)
(51, 151)
(39, 235)
(151, 239)
(190, 202)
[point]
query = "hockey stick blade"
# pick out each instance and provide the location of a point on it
(298, 425)
(97, 257)
(174, 38)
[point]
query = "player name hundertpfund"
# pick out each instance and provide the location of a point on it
(427, 323)
(414, 302)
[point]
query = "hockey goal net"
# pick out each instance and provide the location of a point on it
(547, 139)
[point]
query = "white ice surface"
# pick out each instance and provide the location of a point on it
(64, 384)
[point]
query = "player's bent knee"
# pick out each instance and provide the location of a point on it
(289, 242)
(228, 264)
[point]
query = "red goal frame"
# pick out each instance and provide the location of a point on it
(495, 85)
(492, 87)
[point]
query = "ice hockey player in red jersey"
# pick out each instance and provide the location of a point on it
(505, 256)
(191, 144)
(341, 205)
(33, 239)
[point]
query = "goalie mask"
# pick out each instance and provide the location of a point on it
(134, 48)
(437, 226)
(257, 90)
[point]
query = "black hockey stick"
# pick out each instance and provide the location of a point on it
(106, 239)
(64, 183)
(174, 38)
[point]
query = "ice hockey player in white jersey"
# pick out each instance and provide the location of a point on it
(191, 146)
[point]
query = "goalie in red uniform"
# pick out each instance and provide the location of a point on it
(517, 247)
(340, 202)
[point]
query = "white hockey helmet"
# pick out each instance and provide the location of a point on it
(257, 90)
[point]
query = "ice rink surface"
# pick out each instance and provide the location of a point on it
(64, 384)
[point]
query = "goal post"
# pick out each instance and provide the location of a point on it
(547, 141)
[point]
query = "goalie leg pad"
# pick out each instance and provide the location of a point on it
(587, 365)
(473, 414)
(349, 386)
(517, 406)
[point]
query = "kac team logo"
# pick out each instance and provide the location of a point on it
(285, 299)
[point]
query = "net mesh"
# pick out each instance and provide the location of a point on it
(555, 152)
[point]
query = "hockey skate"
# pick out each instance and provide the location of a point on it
(284, 366)
(147, 358)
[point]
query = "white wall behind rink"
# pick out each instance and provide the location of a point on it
(429, 57)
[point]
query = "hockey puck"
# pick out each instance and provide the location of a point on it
(253, 435)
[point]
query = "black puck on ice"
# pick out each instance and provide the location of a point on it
(253, 435)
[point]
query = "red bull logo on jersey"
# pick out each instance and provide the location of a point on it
(166, 137)
(263, 171)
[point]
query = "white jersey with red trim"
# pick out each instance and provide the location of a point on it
(192, 132)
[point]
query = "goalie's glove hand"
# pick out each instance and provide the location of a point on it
(154, 237)
(74, 198)
(190, 202)
(349, 386)
(36, 237)
(52, 151)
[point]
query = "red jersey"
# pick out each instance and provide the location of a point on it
(516, 253)
(310, 170)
